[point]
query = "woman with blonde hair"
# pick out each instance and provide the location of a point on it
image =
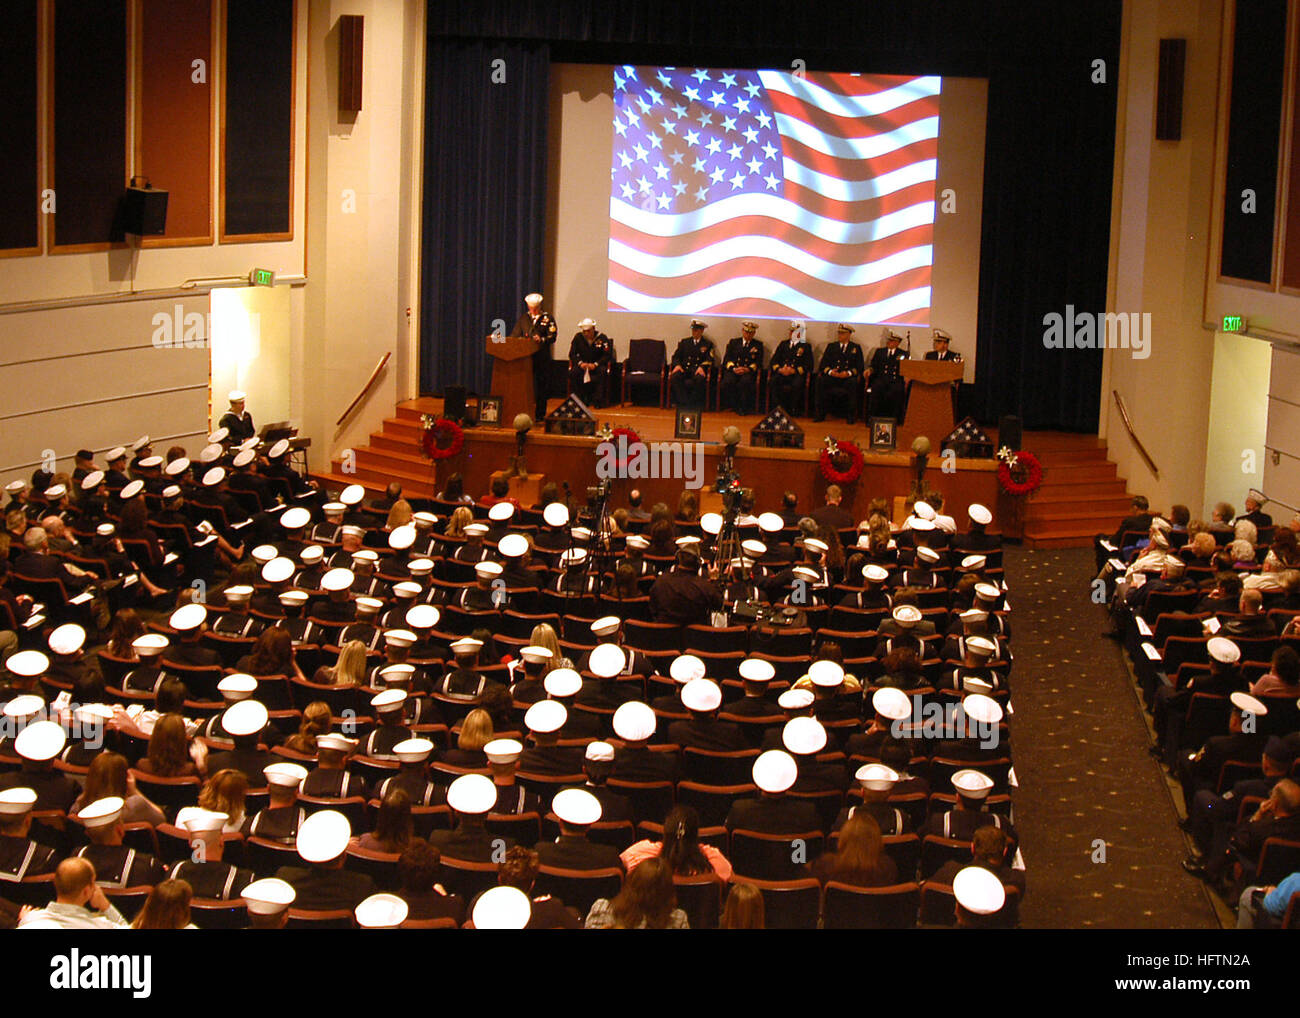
(167, 907)
(315, 722)
(543, 635)
(460, 518)
(399, 515)
(223, 793)
(744, 910)
(348, 671)
(476, 731)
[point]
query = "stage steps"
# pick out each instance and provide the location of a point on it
(1082, 493)
(392, 454)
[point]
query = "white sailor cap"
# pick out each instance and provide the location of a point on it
(637, 541)
(546, 716)
(472, 793)
(556, 514)
(212, 478)
(503, 751)
(906, 615)
(237, 396)
(1220, 648)
(397, 674)
(806, 573)
(466, 645)
(264, 553)
(701, 695)
(311, 554)
(775, 771)
(337, 579)
(92, 480)
(599, 752)
(351, 530)
(106, 530)
(114, 454)
(981, 646)
(687, 541)
(67, 639)
(587, 323)
(607, 660)
(535, 655)
(581, 534)
(210, 453)
(28, 705)
(476, 529)
(203, 821)
(927, 555)
(978, 890)
(295, 518)
(323, 836)
(826, 674)
(876, 777)
(237, 685)
(365, 555)
(816, 544)
(269, 896)
(606, 625)
(413, 750)
(803, 736)
(770, 523)
(246, 717)
(924, 510)
(973, 684)
(533, 298)
(171, 491)
(573, 557)
(368, 605)
(421, 519)
(102, 812)
(278, 570)
(406, 589)
(140, 443)
(352, 494)
(238, 594)
(502, 908)
(131, 489)
(17, 801)
(55, 491)
(285, 775)
(697, 324)
(399, 637)
(421, 616)
(752, 549)
(188, 617)
(875, 573)
(278, 449)
(148, 645)
(487, 570)
(973, 615)
(177, 467)
(921, 523)
(381, 911)
(500, 512)
(245, 457)
(982, 709)
(335, 741)
(41, 740)
(891, 703)
(974, 563)
(634, 721)
(420, 566)
(576, 806)
(987, 592)
(1248, 704)
(686, 667)
(711, 523)
(972, 784)
(795, 699)
(513, 545)
(401, 538)
(979, 514)
(389, 700)
(754, 669)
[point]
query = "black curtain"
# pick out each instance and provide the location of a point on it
(1048, 163)
(484, 199)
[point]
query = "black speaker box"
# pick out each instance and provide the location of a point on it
(453, 402)
(144, 211)
(1009, 432)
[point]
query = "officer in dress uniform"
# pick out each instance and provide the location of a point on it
(877, 782)
(206, 873)
(513, 798)
(840, 375)
(390, 728)
(689, 375)
(20, 856)
(590, 356)
(115, 478)
(237, 421)
(941, 352)
(471, 798)
(463, 682)
(282, 817)
(539, 326)
(885, 378)
(792, 365)
(742, 364)
(331, 778)
(413, 775)
(961, 823)
(116, 866)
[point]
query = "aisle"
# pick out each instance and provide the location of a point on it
(1082, 763)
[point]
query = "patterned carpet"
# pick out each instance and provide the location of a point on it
(1081, 760)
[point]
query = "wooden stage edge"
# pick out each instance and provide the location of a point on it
(769, 472)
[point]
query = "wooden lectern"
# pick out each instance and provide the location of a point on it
(512, 375)
(929, 402)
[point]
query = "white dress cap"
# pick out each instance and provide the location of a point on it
(247, 717)
(535, 655)
(982, 709)
(606, 625)
(501, 511)
(67, 639)
(285, 775)
(756, 670)
(292, 598)
(278, 570)
(238, 594)
(401, 538)
(556, 514)
(406, 589)
(365, 555)
(264, 553)
(237, 687)
(399, 637)
(92, 480)
(41, 740)
(979, 890)
(421, 616)
(352, 494)
(103, 812)
(502, 908)
(368, 605)
(891, 704)
(701, 695)
(177, 467)
(57, 491)
(397, 674)
(278, 449)
(607, 660)
(1248, 704)
(503, 751)
(149, 645)
(770, 523)
(637, 541)
(268, 897)
(472, 793)
(546, 716)
(804, 736)
(466, 645)
(211, 479)
(906, 615)
(599, 752)
(826, 674)
(337, 742)
(752, 550)
(987, 592)
(573, 557)
(795, 699)
(413, 750)
(487, 570)
(420, 566)
(816, 544)
(388, 701)
(210, 453)
(513, 545)
(140, 443)
(634, 721)
(204, 821)
(295, 518)
(982, 646)
(924, 510)
(979, 514)
(311, 554)
(876, 777)
(921, 523)
(927, 555)
(242, 458)
(972, 784)
(132, 489)
(23, 707)
(381, 912)
(17, 801)
(875, 573)
(171, 491)
(1220, 648)
(711, 523)
(323, 836)
(337, 579)
(576, 806)
(775, 771)
(476, 529)
(686, 667)
(188, 617)
(116, 453)
(562, 682)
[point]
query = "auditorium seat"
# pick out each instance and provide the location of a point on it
(848, 907)
(646, 364)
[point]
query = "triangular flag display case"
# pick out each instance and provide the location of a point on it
(777, 431)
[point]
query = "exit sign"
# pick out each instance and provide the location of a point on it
(1233, 323)
(262, 277)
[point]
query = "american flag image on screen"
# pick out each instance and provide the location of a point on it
(773, 194)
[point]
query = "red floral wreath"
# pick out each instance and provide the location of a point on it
(1025, 479)
(443, 439)
(633, 440)
(850, 473)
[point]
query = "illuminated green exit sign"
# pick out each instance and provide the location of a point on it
(262, 277)
(1233, 323)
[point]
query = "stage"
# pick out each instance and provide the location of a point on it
(395, 454)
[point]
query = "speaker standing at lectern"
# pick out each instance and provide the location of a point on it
(942, 353)
(540, 326)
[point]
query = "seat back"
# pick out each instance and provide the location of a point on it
(1278, 859)
(790, 904)
(773, 856)
(217, 914)
(846, 907)
(579, 888)
(380, 866)
(718, 767)
(651, 800)
(700, 897)
(936, 850)
(319, 919)
(712, 803)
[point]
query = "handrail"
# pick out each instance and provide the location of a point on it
(365, 388)
(1123, 413)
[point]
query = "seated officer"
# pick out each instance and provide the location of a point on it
(590, 355)
(792, 365)
(840, 375)
(885, 378)
(742, 364)
(689, 375)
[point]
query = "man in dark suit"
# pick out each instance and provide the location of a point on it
(840, 375)
(577, 809)
(682, 595)
(1139, 521)
(702, 698)
(324, 884)
(37, 563)
(689, 375)
(832, 515)
(742, 364)
(792, 366)
(590, 355)
(539, 326)
(471, 797)
(775, 772)
(635, 724)
(885, 379)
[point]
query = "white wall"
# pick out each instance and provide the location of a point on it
(1238, 420)
(1282, 480)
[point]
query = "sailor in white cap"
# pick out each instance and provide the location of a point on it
(742, 365)
(1169, 709)
(973, 788)
(703, 698)
(634, 549)
(538, 326)
(20, 856)
(473, 549)
(502, 908)
(463, 681)
(39, 744)
(206, 871)
(877, 782)
(759, 701)
(280, 819)
(324, 883)
(312, 560)
(609, 663)
(792, 367)
(115, 865)
(489, 592)
(513, 798)
(977, 663)
(148, 675)
(772, 811)
(382, 911)
(545, 720)
(576, 809)
(693, 363)
(471, 798)
(598, 766)
(976, 537)
(350, 539)
(529, 671)
(389, 707)
(634, 726)
(331, 779)
(980, 898)
(1247, 737)
(590, 355)
(412, 776)
(268, 902)
(237, 621)
(237, 421)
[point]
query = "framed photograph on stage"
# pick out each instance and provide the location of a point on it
(688, 425)
(883, 438)
(489, 410)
